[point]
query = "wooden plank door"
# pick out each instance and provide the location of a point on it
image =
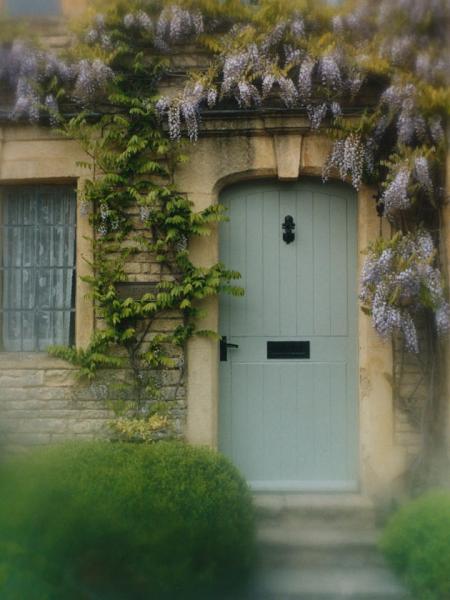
(291, 423)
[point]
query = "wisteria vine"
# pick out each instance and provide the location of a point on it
(398, 278)
(389, 56)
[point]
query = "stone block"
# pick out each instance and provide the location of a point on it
(88, 426)
(170, 377)
(59, 377)
(37, 395)
(90, 414)
(14, 378)
(132, 268)
(163, 325)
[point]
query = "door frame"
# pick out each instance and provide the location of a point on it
(220, 159)
(300, 192)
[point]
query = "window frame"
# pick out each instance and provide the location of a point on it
(68, 191)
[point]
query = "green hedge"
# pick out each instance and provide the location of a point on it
(123, 521)
(417, 544)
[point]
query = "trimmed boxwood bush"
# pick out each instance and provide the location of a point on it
(417, 544)
(123, 521)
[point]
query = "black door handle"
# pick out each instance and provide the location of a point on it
(224, 345)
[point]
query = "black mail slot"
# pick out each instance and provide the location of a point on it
(287, 349)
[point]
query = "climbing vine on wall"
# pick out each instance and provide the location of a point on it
(372, 75)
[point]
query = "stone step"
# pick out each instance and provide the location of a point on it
(325, 583)
(320, 547)
(321, 537)
(337, 510)
(306, 546)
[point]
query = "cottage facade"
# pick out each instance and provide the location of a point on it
(306, 402)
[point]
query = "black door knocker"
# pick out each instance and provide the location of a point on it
(288, 227)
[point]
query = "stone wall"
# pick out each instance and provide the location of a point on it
(38, 404)
(42, 401)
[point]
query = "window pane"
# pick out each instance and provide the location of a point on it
(37, 266)
(32, 8)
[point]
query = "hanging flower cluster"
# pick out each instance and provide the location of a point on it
(399, 278)
(32, 73)
(347, 156)
(139, 20)
(406, 181)
(98, 34)
(176, 24)
(91, 78)
(186, 107)
(23, 69)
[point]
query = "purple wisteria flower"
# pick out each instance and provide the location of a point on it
(436, 129)
(247, 94)
(176, 24)
(139, 20)
(129, 20)
(297, 26)
(410, 123)
(275, 36)
(237, 66)
(347, 156)
(394, 96)
(98, 33)
(396, 195)
(174, 119)
(442, 318)
(288, 91)
(52, 108)
(211, 97)
(330, 73)
(336, 109)
(27, 101)
(234, 68)
(399, 280)
(354, 81)
(92, 79)
(401, 104)
(305, 78)
(422, 174)
(316, 114)
(267, 84)
(424, 246)
(292, 55)
(185, 108)
(381, 126)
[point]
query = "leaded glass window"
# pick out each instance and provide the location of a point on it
(37, 266)
(32, 8)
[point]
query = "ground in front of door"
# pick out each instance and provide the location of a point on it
(320, 548)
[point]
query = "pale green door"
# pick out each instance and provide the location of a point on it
(288, 412)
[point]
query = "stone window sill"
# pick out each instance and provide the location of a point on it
(32, 360)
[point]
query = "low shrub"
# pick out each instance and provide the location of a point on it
(121, 521)
(416, 542)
